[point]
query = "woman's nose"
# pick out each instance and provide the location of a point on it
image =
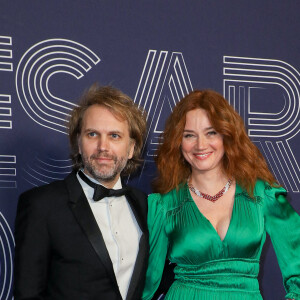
(201, 143)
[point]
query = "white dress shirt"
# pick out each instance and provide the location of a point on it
(120, 231)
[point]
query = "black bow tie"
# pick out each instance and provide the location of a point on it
(100, 191)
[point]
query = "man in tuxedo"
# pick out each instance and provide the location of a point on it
(85, 237)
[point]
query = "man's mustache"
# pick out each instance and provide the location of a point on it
(103, 154)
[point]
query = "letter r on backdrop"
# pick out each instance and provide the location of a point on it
(249, 82)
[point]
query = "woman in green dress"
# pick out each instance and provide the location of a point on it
(216, 200)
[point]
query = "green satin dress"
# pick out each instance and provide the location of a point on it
(209, 268)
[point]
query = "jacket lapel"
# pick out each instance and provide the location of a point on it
(84, 216)
(138, 204)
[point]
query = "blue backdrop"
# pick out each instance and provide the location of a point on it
(155, 51)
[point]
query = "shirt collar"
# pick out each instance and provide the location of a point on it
(89, 191)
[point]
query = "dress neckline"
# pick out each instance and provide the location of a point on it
(238, 190)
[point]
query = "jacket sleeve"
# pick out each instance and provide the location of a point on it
(32, 248)
(158, 244)
(283, 226)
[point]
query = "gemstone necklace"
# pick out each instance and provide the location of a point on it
(209, 197)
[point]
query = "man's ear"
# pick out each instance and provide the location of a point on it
(131, 148)
(79, 143)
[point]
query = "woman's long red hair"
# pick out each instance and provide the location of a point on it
(242, 159)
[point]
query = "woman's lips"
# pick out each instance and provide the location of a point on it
(202, 156)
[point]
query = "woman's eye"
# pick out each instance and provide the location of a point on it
(188, 135)
(212, 132)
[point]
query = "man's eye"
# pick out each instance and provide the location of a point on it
(115, 136)
(92, 134)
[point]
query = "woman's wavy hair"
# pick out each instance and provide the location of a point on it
(242, 159)
(122, 107)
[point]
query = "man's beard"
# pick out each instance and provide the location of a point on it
(104, 173)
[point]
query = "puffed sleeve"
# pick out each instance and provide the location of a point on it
(158, 244)
(283, 226)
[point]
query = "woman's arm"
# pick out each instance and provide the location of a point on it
(283, 225)
(158, 245)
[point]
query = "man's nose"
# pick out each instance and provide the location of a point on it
(102, 143)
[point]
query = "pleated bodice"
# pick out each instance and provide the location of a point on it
(210, 268)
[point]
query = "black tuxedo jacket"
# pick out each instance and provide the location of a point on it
(60, 252)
